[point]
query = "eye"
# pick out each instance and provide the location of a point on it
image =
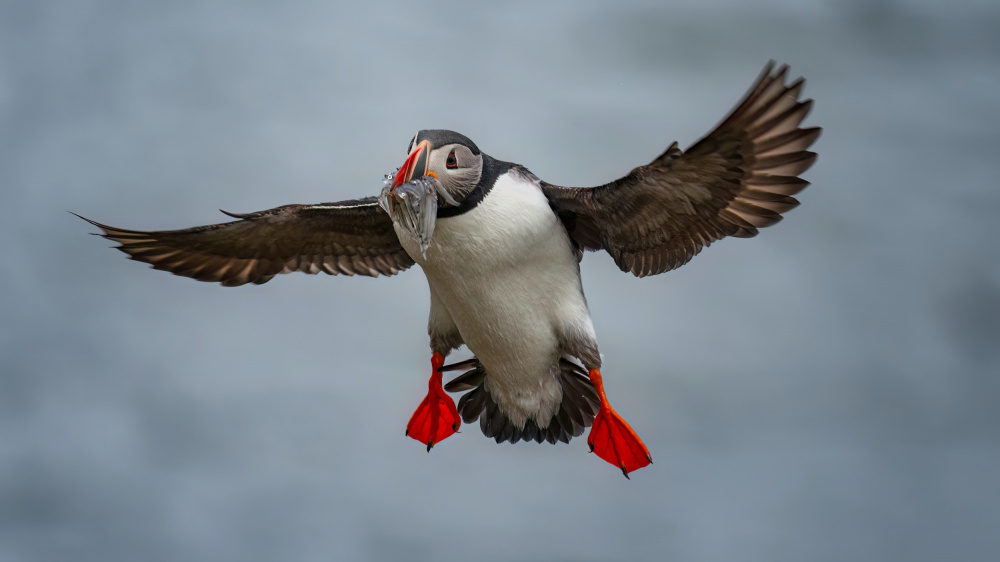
(451, 162)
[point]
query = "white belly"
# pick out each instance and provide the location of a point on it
(508, 277)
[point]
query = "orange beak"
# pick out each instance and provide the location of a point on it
(415, 164)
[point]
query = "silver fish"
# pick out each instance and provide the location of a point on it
(412, 206)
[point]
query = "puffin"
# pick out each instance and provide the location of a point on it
(501, 250)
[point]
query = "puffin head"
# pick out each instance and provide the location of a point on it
(452, 158)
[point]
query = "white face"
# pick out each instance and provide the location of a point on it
(457, 168)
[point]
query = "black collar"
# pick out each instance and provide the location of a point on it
(492, 169)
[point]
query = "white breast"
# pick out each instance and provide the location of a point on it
(508, 277)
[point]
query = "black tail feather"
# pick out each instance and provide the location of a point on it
(576, 412)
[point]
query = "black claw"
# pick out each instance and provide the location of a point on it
(625, 472)
(406, 433)
(649, 458)
(429, 445)
(591, 443)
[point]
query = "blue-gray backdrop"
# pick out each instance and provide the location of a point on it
(827, 391)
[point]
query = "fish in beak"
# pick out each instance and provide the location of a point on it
(410, 196)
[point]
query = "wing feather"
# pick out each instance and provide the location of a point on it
(350, 238)
(740, 178)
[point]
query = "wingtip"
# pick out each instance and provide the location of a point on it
(93, 222)
(84, 218)
(780, 72)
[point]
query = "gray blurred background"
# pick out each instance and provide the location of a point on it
(827, 391)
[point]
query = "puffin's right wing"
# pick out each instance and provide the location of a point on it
(739, 178)
(349, 237)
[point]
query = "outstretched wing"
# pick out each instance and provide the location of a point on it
(349, 237)
(739, 178)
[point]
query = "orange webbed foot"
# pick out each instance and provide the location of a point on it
(612, 438)
(436, 418)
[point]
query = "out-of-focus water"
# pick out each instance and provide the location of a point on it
(826, 391)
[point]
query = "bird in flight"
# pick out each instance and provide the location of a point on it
(501, 252)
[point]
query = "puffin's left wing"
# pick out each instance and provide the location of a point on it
(349, 237)
(739, 178)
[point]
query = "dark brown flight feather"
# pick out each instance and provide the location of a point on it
(738, 179)
(349, 237)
